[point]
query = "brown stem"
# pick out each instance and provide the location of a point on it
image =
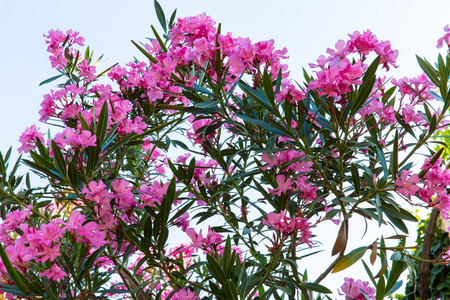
(425, 266)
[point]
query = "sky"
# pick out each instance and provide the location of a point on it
(305, 28)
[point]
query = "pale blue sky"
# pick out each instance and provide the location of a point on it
(306, 28)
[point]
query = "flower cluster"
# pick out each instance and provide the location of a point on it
(286, 225)
(245, 149)
(357, 290)
(433, 191)
(337, 73)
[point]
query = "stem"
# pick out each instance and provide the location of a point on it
(126, 276)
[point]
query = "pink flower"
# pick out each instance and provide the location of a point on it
(87, 71)
(49, 252)
(197, 238)
(183, 221)
(284, 185)
(213, 238)
(29, 137)
(354, 290)
(445, 38)
(86, 139)
(183, 294)
(97, 192)
(54, 272)
(274, 220)
(408, 185)
(442, 202)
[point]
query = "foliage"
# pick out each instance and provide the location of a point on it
(210, 129)
(439, 274)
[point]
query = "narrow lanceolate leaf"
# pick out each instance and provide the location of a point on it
(381, 289)
(13, 273)
(50, 79)
(349, 259)
(397, 269)
(160, 15)
(428, 70)
(151, 58)
(216, 270)
(394, 162)
(341, 240)
(396, 286)
(102, 122)
(316, 288)
(59, 159)
(366, 87)
(433, 160)
(383, 162)
(160, 41)
(355, 179)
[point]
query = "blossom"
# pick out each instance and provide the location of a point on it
(54, 272)
(29, 137)
(284, 185)
(183, 221)
(97, 192)
(408, 185)
(445, 38)
(197, 238)
(354, 289)
(49, 252)
(183, 294)
(284, 224)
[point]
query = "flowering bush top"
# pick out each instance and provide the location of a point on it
(258, 163)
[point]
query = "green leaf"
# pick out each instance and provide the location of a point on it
(268, 86)
(216, 269)
(160, 41)
(397, 269)
(59, 159)
(50, 79)
(162, 239)
(396, 286)
(428, 70)
(398, 212)
(394, 161)
(366, 87)
(88, 263)
(265, 125)
(381, 289)
(230, 290)
(355, 179)
(102, 123)
(18, 280)
(369, 273)
(160, 15)
(316, 287)
(84, 124)
(383, 162)
(260, 99)
(35, 287)
(349, 259)
(172, 18)
(145, 52)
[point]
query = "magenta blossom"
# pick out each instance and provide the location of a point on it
(354, 289)
(408, 185)
(29, 137)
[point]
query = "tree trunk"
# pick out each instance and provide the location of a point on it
(425, 266)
